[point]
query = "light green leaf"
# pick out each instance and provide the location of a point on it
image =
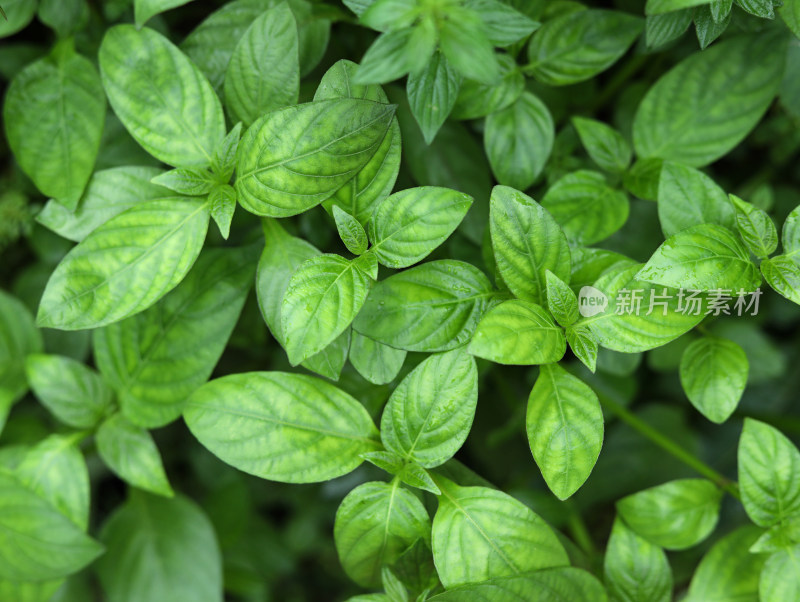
(18, 338)
(578, 45)
(223, 161)
(565, 429)
(713, 374)
(587, 209)
(583, 344)
(658, 7)
(432, 93)
(636, 570)
(178, 341)
(464, 41)
(383, 15)
(518, 332)
(408, 225)
(130, 452)
(144, 10)
(264, 73)
(477, 100)
(768, 467)
(374, 525)
(168, 547)
(350, 231)
(330, 361)
(790, 236)
(65, 17)
(395, 53)
(18, 14)
(755, 227)
(73, 392)
(186, 181)
(705, 257)
(642, 178)
(222, 205)
(37, 541)
(378, 363)
(321, 300)
(164, 101)
(414, 475)
(782, 273)
(429, 414)
(790, 13)
(759, 8)
(526, 241)
(588, 264)
(125, 265)
(688, 197)
(56, 148)
(561, 301)
(564, 583)
(503, 23)
(706, 105)
(676, 515)
(605, 145)
(504, 537)
(435, 306)
(665, 28)
(780, 579)
(286, 166)
(280, 426)
(519, 140)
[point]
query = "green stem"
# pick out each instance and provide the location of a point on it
(671, 447)
(581, 534)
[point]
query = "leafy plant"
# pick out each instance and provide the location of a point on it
(498, 301)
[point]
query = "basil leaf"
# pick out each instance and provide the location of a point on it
(570, 584)
(503, 24)
(283, 175)
(706, 105)
(565, 429)
(18, 338)
(131, 453)
(279, 426)
(642, 178)
(429, 414)
(526, 242)
(374, 525)
(605, 145)
(706, 27)
(518, 332)
(479, 100)
(504, 536)
(223, 162)
(665, 28)
(779, 579)
(376, 362)
(407, 226)
(431, 307)
(782, 273)
(264, 71)
(163, 100)
(519, 140)
(179, 540)
(464, 41)
(561, 301)
(395, 53)
(790, 235)
(768, 465)
(704, 257)
(583, 343)
(432, 94)
(186, 181)
(221, 206)
(350, 231)
(330, 361)
(144, 10)
(713, 374)
(18, 13)
(183, 336)
(659, 7)
(755, 227)
(636, 569)
(91, 287)
(56, 148)
(759, 8)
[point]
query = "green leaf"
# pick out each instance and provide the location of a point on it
(464, 41)
(705, 257)
(56, 148)
(435, 306)
(676, 515)
(130, 452)
(144, 10)
(432, 94)
(222, 205)
(18, 338)
(565, 429)
(322, 298)
(561, 301)
(264, 73)
(790, 235)
(429, 414)
(286, 174)
(350, 231)
(687, 197)
(713, 374)
(479, 100)
(330, 361)
(186, 181)
(168, 547)
(759, 8)
(780, 579)
(378, 363)
(504, 24)
(658, 7)
(65, 17)
(755, 227)
(583, 344)
(728, 571)
(374, 182)
(643, 177)
(519, 140)
(164, 101)
(177, 341)
(526, 241)
(636, 570)
(280, 426)
(18, 13)
(72, 392)
(665, 28)
(109, 193)
(790, 13)
(374, 525)
(587, 209)
(605, 145)
(504, 537)
(706, 27)
(100, 281)
(383, 15)
(578, 45)
(768, 467)
(782, 273)
(395, 53)
(408, 225)
(708, 103)
(38, 542)
(720, 9)
(223, 161)
(518, 332)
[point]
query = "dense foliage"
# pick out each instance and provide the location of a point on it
(399, 300)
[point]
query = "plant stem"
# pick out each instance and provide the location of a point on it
(671, 447)
(581, 534)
